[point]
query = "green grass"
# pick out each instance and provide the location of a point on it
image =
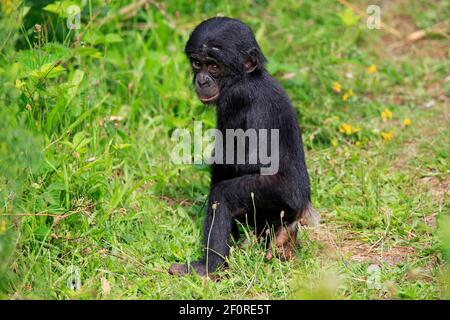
(92, 208)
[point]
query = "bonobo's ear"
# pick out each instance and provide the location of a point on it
(252, 61)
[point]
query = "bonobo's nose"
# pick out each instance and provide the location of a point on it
(203, 80)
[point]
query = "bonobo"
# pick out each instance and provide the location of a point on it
(229, 72)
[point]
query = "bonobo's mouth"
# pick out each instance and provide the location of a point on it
(209, 99)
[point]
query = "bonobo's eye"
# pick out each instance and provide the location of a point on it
(214, 70)
(196, 64)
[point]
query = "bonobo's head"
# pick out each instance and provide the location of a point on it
(222, 52)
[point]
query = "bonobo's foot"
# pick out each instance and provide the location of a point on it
(182, 269)
(284, 244)
(284, 252)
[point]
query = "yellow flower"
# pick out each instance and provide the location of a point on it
(336, 87)
(348, 129)
(347, 95)
(372, 69)
(407, 122)
(386, 114)
(387, 136)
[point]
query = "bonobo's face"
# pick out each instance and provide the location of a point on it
(222, 52)
(207, 75)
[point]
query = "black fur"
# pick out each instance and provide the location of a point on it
(248, 100)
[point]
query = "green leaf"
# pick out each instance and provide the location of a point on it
(31, 62)
(95, 38)
(60, 7)
(120, 146)
(348, 17)
(80, 141)
(78, 137)
(48, 70)
(112, 38)
(25, 10)
(74, 83)
(56, 186)
(68, 143)
(88, 52)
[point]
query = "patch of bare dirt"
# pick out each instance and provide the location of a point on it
(410, 39)
(430, 220)
(409, 151)
(348, 246)
(439, 188)
(440, 191)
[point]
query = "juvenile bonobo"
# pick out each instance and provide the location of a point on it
(229, 72)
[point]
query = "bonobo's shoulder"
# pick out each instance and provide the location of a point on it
(270, 90)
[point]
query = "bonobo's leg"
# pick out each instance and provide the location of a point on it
(216, 238)
(227, 200)
(217, 231)
(284, 242)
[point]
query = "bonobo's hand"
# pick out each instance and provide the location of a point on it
(182, 269)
